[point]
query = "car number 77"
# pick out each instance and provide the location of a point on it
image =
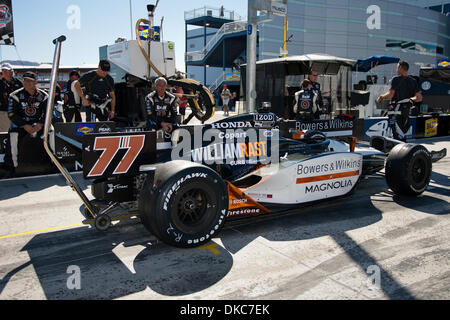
(110, 146)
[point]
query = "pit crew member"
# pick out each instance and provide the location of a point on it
(8, 84)
(27, 107)
(161, 108)
(72, 99)
(305, 108)
(99, 87)
(404, 93)
(315, 86)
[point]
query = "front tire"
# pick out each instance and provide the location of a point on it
(186, 206)
(408, 169)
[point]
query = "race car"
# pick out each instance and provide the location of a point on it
(246, 165)
(186, 185)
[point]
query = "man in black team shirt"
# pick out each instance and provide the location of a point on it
(305, 108)
(315, 86)
(8, 84)
(161, 107)
(26, 110)
(71, 99)
(404, 92)
(98, 88)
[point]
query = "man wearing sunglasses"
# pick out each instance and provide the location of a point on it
(98, 93)
(315, 86)
(26, 111)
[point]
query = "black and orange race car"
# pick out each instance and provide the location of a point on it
(186, 185)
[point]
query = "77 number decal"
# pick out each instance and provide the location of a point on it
(110, 146)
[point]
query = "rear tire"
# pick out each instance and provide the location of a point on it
(186, 205)
(408, 169)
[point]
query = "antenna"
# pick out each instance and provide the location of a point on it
(131, 21)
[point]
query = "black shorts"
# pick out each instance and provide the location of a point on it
(182, 111)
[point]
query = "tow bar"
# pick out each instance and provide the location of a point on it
(100, 218)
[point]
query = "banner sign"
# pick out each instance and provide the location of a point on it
(6, 23)
(431, 128)
(233, 77)
(143, 33)
(443, 64)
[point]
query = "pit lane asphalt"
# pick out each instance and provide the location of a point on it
(370, 245)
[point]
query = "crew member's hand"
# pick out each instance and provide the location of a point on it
(85, 102)
(29, 128)
(167, 127)
(112, 114)
(37, 127)
(378, 100)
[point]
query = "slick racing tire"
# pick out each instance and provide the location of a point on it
(408, 169)
(186, 205)
(202, 107)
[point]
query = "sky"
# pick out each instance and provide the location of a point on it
(101, 22)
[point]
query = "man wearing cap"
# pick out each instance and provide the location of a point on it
(98, 88)
(72, 99)
(161, 108)
(8, 84)
(26, 111)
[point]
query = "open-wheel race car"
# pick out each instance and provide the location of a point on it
(187, 185)
(185, 198)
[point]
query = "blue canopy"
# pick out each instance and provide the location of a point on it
(364, 65)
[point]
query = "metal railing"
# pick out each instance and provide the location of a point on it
(227, 28)
(211, 12)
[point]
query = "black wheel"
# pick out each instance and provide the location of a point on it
(203, 107)
(408, 169)
(186, 206)
(102, 222)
